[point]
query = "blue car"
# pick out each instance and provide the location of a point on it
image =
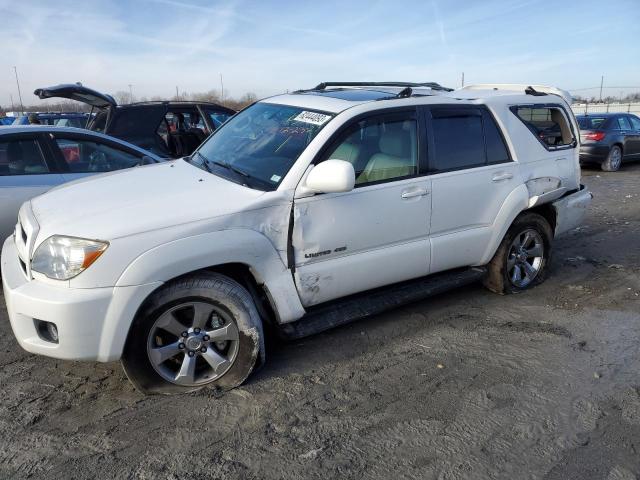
(76, 120)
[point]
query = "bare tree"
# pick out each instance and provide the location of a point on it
(123, 97)
(210, 96)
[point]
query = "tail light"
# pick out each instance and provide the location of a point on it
(595, 136)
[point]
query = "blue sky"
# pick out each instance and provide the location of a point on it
(267, 47)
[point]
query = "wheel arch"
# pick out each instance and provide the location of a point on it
(515, 203)
(546, 211)
(246, 256)
(212, 288)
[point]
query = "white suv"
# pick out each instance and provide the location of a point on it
(304, 211)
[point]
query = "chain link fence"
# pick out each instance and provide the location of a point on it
(587, 108)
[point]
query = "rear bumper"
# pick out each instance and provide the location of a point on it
(593, 153)
(92, 323)
(571, 210)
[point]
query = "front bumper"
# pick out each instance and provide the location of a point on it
(593, 153)
(92, 323)
(571, 210)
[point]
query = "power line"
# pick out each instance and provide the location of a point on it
(595, 88)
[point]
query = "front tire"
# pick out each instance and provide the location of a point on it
(614, 160)
(522, 259)
(201, 330)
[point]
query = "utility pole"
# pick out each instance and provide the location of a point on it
(19, 94)
(13, 108)
(221, 89)
(601, 83)
(130, 94)
(462, 79)
(177, 95)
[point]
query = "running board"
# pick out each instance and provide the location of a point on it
(362, 305)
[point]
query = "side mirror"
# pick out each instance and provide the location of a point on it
(331, 176)
(146, 160)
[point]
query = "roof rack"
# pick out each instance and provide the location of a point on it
(166, 102)
(431, 85)
(534, 90)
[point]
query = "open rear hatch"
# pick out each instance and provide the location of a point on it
(78, 92)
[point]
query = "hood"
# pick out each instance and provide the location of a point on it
(137, 200)
(78, 92)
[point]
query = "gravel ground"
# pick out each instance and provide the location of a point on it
(541, 385)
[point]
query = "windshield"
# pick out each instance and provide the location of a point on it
(259, 145)
(588, 123)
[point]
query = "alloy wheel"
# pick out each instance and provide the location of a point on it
(525, 258)
(616, 158)
(193, 343)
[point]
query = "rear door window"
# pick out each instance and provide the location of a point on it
(86, 156)
(635, 122)
(458, 139)
(549, 124)
(464, 137)
(21, 157)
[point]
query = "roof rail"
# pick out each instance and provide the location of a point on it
(527, 89)
(431, 85)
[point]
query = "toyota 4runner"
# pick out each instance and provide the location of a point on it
(303, 212)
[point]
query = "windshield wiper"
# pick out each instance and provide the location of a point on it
(205, 164)
(204, 161)
(231, 167)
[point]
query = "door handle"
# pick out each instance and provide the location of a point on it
(502, 176)
(420, 192)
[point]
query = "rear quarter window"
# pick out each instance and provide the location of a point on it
(548, 123)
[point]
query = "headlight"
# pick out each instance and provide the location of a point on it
(62, 258)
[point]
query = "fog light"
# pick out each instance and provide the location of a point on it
(47, 331)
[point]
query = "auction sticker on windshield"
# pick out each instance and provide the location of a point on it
(312, 117)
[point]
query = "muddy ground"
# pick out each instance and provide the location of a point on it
(542, 385)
